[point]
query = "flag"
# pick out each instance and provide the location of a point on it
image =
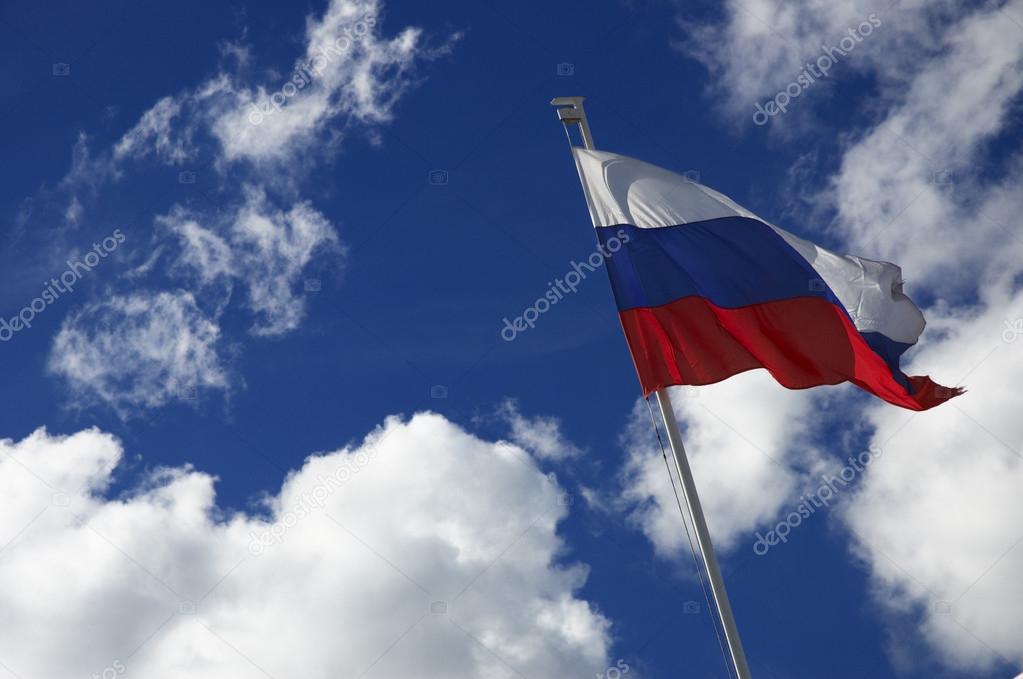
(706, 289)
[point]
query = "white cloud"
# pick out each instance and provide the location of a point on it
(936, 519)
(761, 46)
(941, 508)
(153, 134)
(73, 214)
(161, 583)
(139, 350)
(272, 248)
(83, 180)
(911, 185)
(263, 248)
(948, 74)
(348, 73)
(744, 441)
(203, 254)
(347, 70)
(539, 435)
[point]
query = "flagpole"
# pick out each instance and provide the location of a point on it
(710, 562)
(570, 112)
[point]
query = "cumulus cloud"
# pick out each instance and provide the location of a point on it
(910, 187)
(937, 519)
(933, 184)
(759, 47)
(540, 435)
(749, 460)
(454, 575)
(139, 350)
(943, 548)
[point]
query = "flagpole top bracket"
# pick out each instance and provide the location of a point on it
(571, 112)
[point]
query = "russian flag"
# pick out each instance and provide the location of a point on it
(706, 289)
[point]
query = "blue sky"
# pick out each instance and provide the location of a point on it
(282, 288)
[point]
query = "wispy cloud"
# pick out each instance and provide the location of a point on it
(540, 435)
(261, 138)
(141, 350)
(263, 249)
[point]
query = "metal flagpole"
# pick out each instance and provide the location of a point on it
(717, 583)
(570, 112)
